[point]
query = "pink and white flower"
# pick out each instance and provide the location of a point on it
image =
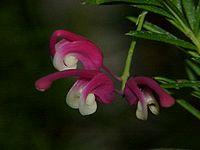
(73, 48)
(92, 86)
(146, 93)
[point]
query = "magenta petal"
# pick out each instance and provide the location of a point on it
(165, 99)
(69, 36)
(88, 53)
(60, 44)
(131, 86)
(130, 96)
(102, 87)
(45, 82)
(134, 95)
(79, 84)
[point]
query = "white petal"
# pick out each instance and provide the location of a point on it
(73, 98)
(72, 67)
(90, 99)
(58, 63)
(89, 106)
(70, 61)
(155, 110)
(152, 103)
(141, 113)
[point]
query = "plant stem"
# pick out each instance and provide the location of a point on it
(126, 72)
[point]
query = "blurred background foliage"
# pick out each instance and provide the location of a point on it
(33, 120)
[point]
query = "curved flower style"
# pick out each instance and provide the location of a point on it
(91, 86)
(72, 48)
(145, 92)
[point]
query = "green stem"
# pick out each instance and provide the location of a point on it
(126, 72)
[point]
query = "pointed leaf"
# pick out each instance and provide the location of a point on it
(154, 9)
(98, 2)
(150, 5)
(176, 24)
(189, 10)
(189, 108)
(178, 4)
(194, 67)
(151, 27)
(175, 12)
(162, 38)
(196, 59)
(182, 84)
(164, 80)
(197, 21)
(196, 94)
(190, 74)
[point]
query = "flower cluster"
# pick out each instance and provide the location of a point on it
(92, 85)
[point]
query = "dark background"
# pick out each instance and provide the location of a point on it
(42, 121)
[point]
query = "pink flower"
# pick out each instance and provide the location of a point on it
(73, 48)
(91, 86)
(146, 93)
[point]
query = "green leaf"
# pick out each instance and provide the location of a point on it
(196, 59)
(178, 20)
(196, 94)
(189, 108)
(189, 10)
(154, 9)
(182, 84)
(150, 5)
(162, 38)
(193, 54)
(164, 80)
(190, 74)
(151, 27)
(176, 24)
(194, 67)
(197, 21)
(98, 2)
(178, 4)
(174, 11)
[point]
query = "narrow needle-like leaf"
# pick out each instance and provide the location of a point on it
(189, 108)
(150, 27)
(162, 38)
